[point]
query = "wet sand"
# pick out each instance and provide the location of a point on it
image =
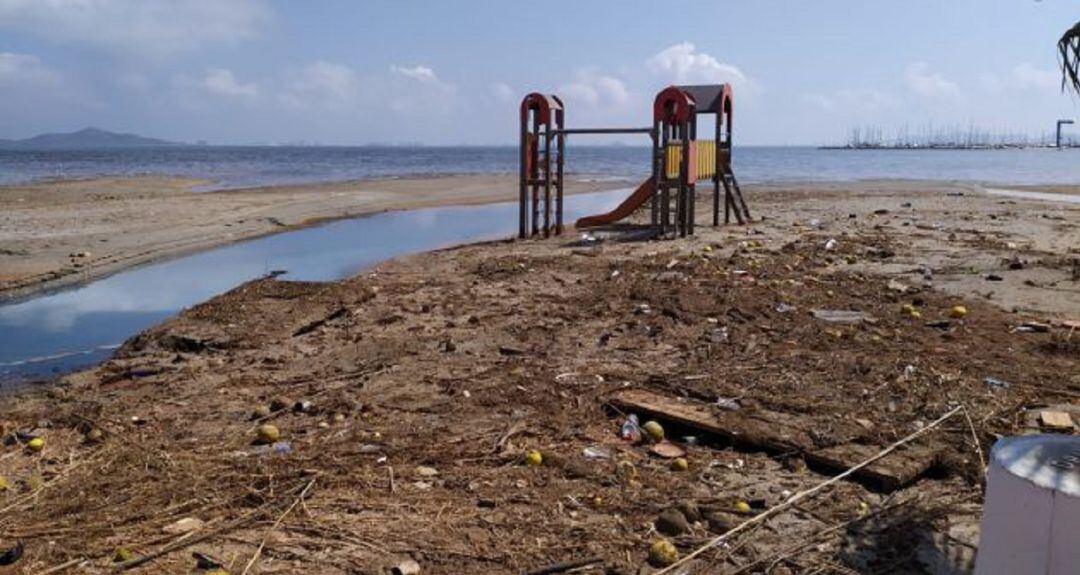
(60, 233)
(427, 378)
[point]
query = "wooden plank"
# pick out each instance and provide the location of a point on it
(893, 472)
(777, 432)
(760, 429)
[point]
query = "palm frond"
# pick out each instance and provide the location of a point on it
(1069, 54)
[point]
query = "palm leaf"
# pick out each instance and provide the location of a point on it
(1069, 53)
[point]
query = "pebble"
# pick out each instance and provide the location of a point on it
(672, 522)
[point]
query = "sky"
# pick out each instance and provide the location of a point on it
(395, 71)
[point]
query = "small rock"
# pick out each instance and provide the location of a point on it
(690, 510)
(722, 522)
(672, 522)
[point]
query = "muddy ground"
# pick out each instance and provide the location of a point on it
(411, 393)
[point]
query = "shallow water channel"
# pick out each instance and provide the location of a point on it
(78, 327)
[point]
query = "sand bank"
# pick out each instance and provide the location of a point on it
(60, 233)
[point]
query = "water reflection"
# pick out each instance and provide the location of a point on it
(81, 326)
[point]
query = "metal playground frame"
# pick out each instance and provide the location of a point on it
(679, 161)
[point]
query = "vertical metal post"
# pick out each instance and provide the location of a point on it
(684, 181)
(559, 173)
(535, 176)
(523, 193)
(657, 171)
(716, 172)
(691, 192)
(547, 179)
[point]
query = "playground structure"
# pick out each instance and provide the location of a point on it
(679, 161)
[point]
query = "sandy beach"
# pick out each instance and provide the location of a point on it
(407, 397)
(54, 234)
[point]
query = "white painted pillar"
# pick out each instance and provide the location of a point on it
(1031, 518)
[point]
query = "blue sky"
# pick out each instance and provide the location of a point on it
(354, 72)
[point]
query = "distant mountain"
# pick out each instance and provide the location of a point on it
(85, 138)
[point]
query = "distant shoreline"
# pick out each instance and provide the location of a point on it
(962, 148)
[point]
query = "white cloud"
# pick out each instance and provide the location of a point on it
(683, 64)
(923, 82)
(503, 92)
(319, 85)
(222, 82)
(138, 27)
(418, 73)
(596, 90)
(26, 70)
(1027, 76)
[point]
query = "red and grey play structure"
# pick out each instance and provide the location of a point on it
(679, 161)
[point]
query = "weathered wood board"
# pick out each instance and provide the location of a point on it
(777, 432)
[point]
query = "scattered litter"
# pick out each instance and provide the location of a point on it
(831, 244)
(630, 430)
(898, 287)
(995, 382)
(667, 450)
(204, 561)
(785, 308)
(596, 452)
(406, 567)
(994, 278)
(729, 403)
(841, 316)
(1032, 326)
(185, 525)
(1057, 420)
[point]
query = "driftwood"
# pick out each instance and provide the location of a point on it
(776, 432)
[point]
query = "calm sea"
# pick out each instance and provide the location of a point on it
(230, 167)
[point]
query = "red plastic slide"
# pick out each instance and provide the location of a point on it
(629, 205)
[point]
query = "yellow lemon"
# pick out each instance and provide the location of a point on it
(268, 433)
(663, 553)
(741, 506)
(122, 555)
(36, 444)
(679, 464)
(958, 312)
(533, 457)
(654, 430)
